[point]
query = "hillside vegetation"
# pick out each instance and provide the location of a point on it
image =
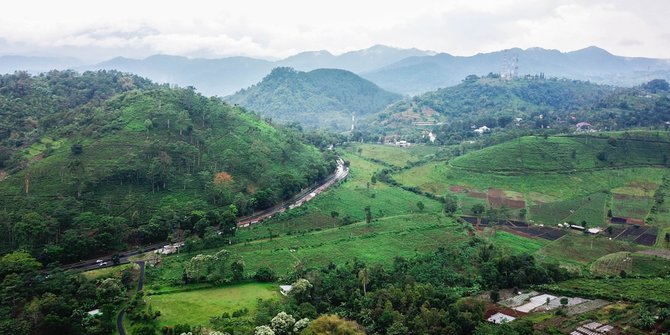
(324, 98)
(567, 154)
(525, 105)
(122, 161)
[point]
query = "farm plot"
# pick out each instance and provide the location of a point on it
(613, 264)
(633, 233)
(580, 249)
(589, 209)
(501, 198)
(631, 206)
(375, 243)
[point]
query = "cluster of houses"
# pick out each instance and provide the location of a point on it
(523, 303)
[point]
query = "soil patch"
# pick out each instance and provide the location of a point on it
(456, 188)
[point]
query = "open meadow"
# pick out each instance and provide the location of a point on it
(196, 307)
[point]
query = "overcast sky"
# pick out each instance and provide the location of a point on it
(98, 29)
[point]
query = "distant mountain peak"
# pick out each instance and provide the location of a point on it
(593, 50)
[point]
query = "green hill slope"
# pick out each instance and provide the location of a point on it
(320, 98)
(137, 166)
(568, 154)
(527, 104)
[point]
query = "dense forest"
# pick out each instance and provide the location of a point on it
(323, 98)
(97, 161)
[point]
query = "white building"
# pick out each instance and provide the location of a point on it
(499, 318)
(482, 129)
(285, 289)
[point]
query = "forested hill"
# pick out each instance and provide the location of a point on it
(531, 102)
(94, 162)
(324, 98)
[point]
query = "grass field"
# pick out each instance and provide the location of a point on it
(563, 153)
(198, 306)
(437, 177)
(396, 156)
(590, 208)
(649, 265)
(578, 250)
(375, 243)
(516, 244)
(629, 289)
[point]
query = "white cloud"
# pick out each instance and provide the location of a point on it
(281, 28)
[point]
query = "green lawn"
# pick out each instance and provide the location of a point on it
(197, 307)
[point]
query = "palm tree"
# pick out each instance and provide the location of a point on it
(364, 277)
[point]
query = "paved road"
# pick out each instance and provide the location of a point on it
(298, 199)
(122, 312)
(305, 195)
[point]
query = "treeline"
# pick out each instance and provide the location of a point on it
(34, 302)
(427, 294)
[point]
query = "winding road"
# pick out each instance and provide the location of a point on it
(297, 200)
(340, 173)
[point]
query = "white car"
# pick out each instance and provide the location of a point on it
(99, 261)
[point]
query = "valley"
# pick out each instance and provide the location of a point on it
(377, 191)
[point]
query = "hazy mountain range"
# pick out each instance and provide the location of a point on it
(405, 71)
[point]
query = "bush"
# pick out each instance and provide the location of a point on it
(265, 275)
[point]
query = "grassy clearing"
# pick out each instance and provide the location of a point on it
(636, 208)
(396, 156)
(649, 265)
(516, 244)
(375, 243)
(430, 177)
(197, 307)
(353, 196)
(578, 249)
